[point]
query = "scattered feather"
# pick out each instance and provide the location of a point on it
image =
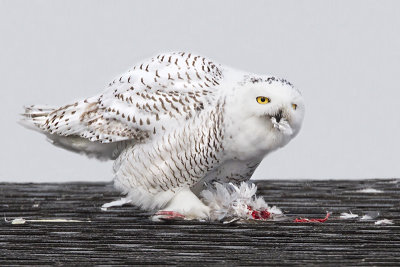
(116, 203)
(384, 221)
(369, 190)
(366, 217)
(370, 215)
(23, 221)
(18, 221)
(345, 215)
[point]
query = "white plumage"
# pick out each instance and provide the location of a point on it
(175, 122)
(229, 201)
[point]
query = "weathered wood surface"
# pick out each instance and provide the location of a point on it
(124, 235)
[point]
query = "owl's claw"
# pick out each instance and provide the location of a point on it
(167, 215)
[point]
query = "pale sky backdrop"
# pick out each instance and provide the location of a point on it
(343, 55)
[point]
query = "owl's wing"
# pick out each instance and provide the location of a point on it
(152, 96)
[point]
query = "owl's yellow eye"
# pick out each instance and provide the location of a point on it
(262, 100)
(294, 106)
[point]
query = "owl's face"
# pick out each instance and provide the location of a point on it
(278, 105)
(267, 114)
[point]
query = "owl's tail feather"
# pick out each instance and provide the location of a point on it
(35, 116)
(47, 120)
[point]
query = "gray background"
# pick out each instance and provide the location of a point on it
(343, 55)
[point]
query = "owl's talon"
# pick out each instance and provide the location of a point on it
(167, 215)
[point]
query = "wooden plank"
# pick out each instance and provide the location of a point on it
(125, 235)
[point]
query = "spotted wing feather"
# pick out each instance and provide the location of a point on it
(149, 98)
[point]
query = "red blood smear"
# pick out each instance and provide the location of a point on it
(305, 220)
(259, 215)
(256, 215)
(265, 214)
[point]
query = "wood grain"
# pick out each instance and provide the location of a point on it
(125, 235)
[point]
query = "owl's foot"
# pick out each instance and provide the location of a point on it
(163, 215)
(184, 205)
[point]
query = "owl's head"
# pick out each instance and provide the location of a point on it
(276, 102)
(268, 111)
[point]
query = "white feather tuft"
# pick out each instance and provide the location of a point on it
(369, 190)
(366, 217)
(345, 215)
(230, 201)
(384, 221)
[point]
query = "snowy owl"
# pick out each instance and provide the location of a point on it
(174, 123)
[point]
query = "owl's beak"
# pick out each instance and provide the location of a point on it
(280, 122)
(278, 116)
